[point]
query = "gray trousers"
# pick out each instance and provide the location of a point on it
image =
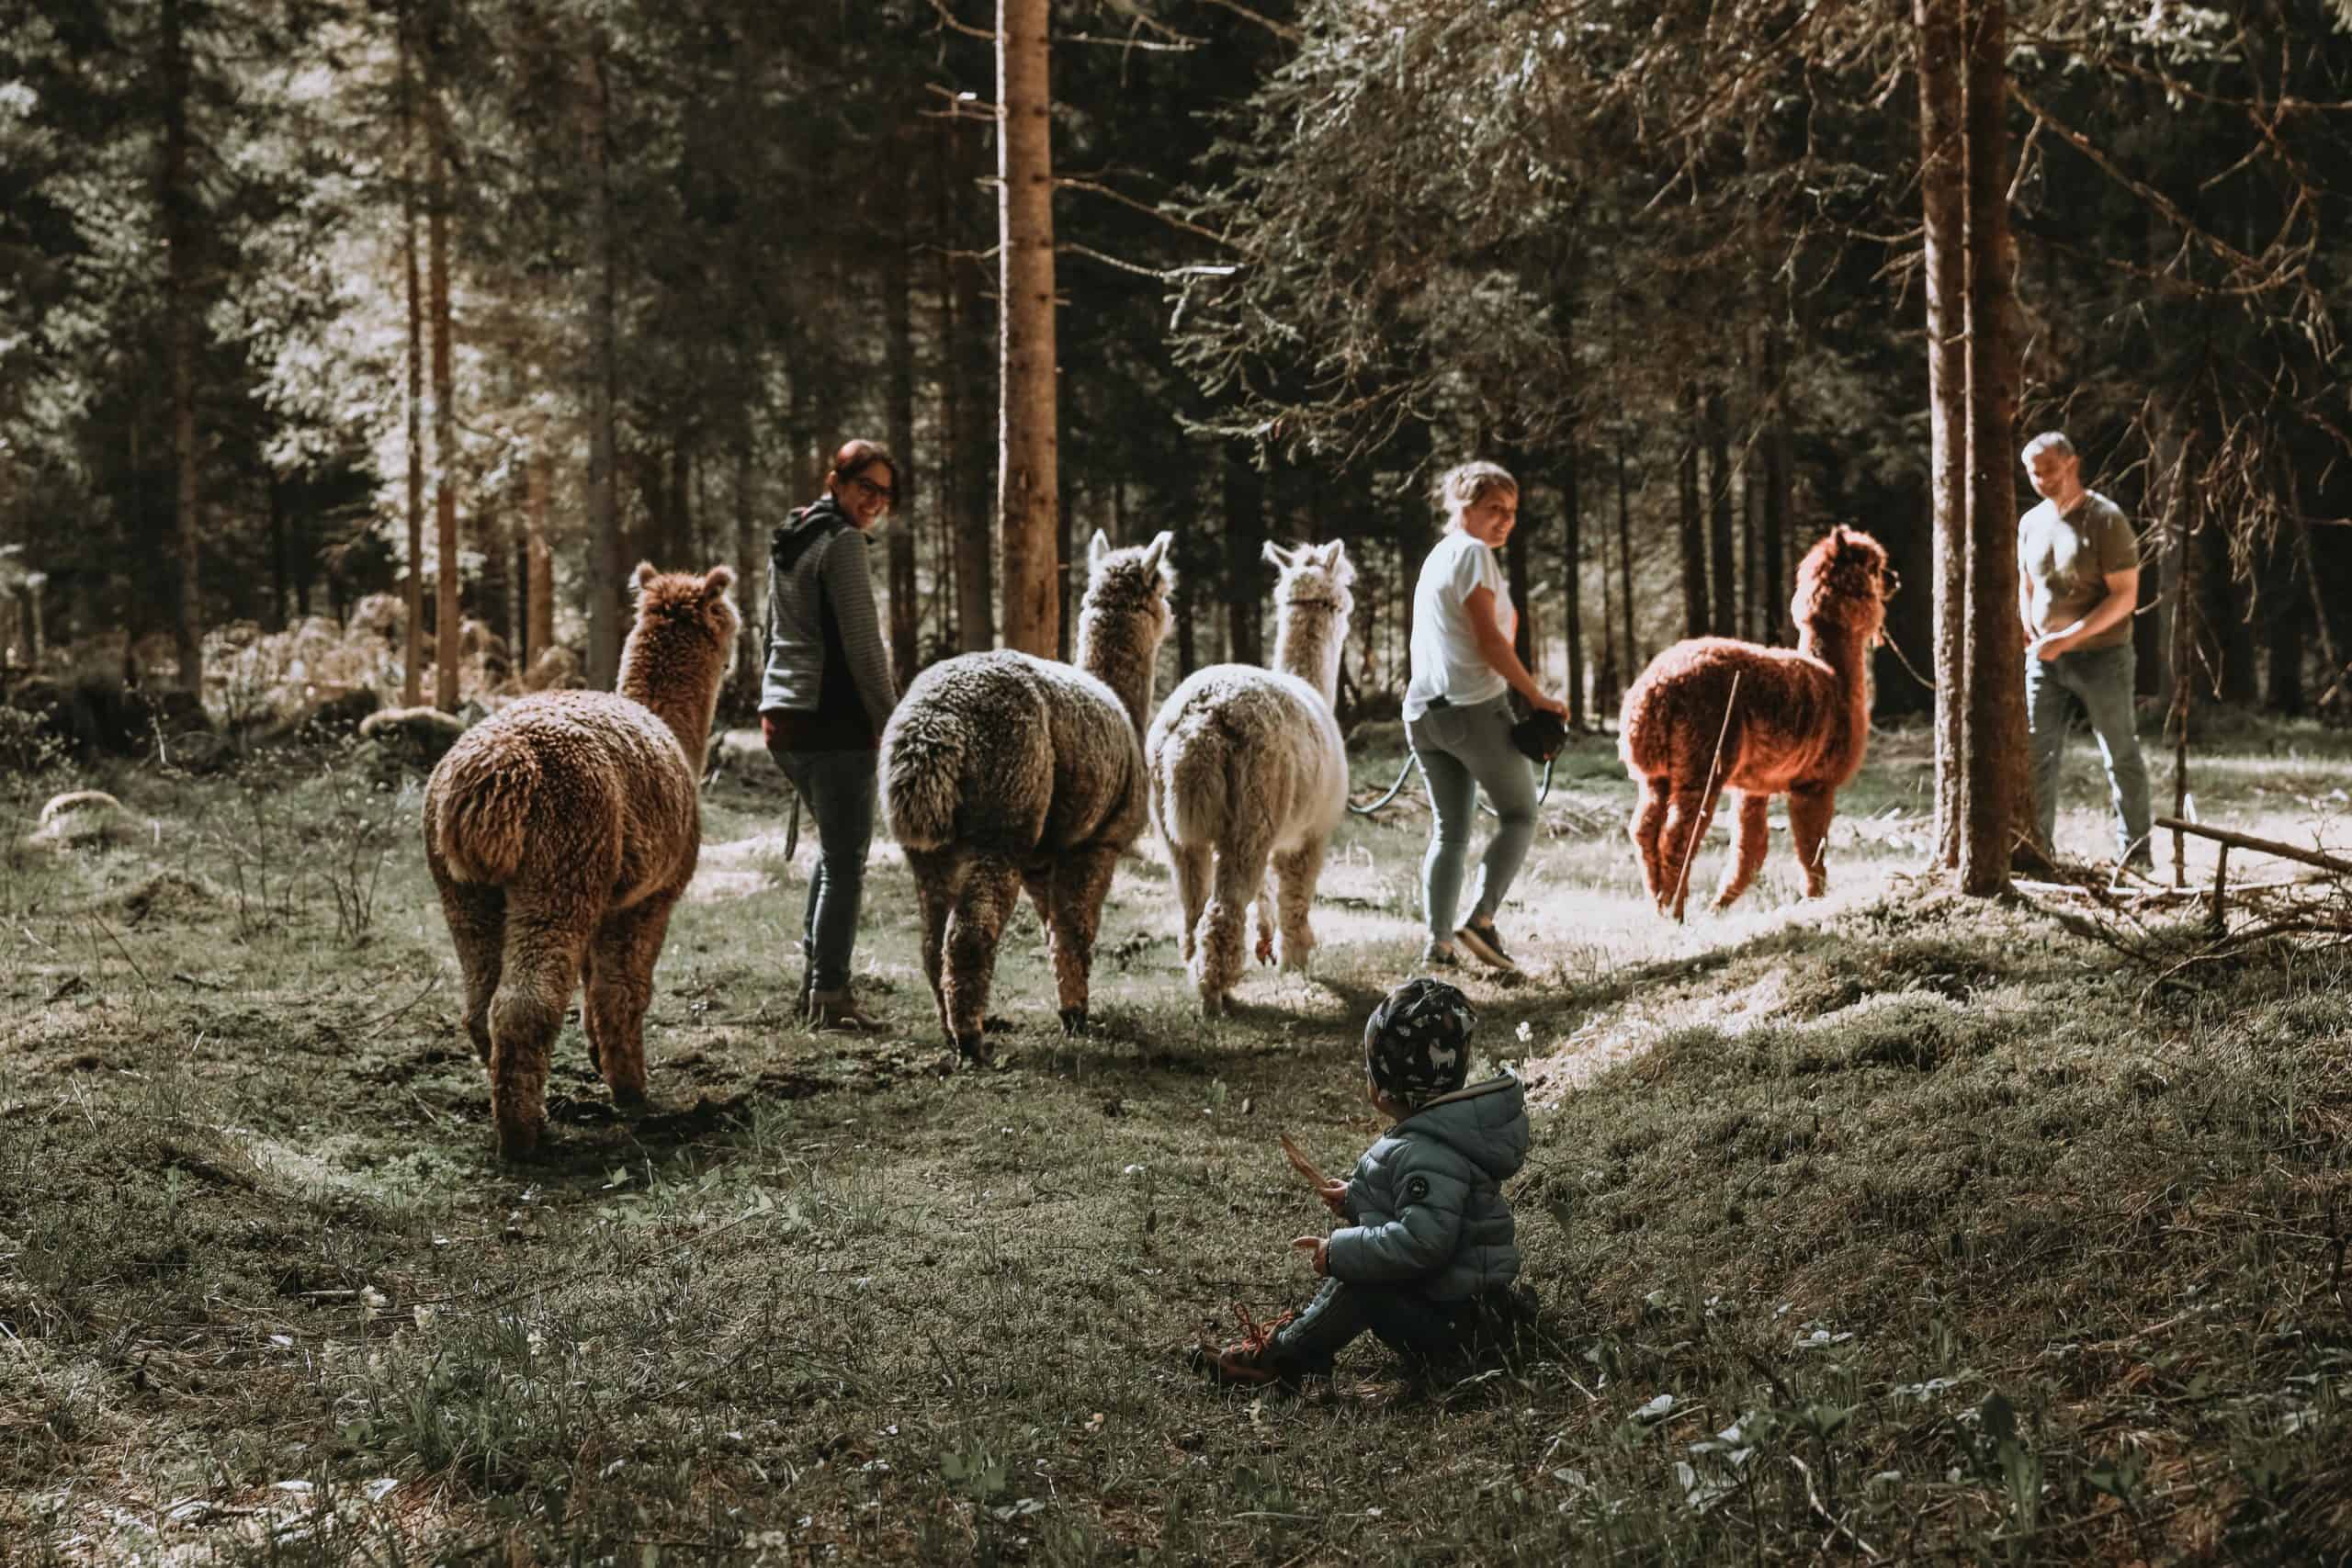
(1461, 750)
(1405, 1320)
(2099, 680)
(837, 789)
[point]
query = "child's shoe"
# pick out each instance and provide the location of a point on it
(1251, 1359)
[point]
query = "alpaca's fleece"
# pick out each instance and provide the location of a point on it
(1713, 713)
(1248, 769)
(1002, 770)
(560, 831)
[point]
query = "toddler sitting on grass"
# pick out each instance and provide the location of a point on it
(1426, 1258)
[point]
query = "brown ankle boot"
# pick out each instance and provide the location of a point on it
(839, 1009)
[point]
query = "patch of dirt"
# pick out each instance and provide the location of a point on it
(167, 894)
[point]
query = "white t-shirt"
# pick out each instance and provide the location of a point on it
(1446, 659)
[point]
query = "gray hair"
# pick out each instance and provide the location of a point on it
(2048, 441)
(1460, 488)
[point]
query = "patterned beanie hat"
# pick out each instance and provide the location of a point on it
(1417, 1042)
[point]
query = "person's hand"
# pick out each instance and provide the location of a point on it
(1334, 1194)
(767, 729)
(1552, 706)
(2048, 646)
(1318, 1252)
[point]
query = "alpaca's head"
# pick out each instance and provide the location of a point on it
(1314, 577)
(1126, 589)
(1843, 584)
(685, 634)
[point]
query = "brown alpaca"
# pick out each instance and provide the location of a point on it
(1712, 713)
(561, 831)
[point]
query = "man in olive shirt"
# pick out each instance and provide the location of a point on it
(2078, 579)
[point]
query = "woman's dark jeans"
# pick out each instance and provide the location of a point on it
(838, 789)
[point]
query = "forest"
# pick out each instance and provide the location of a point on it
(1960, 1194)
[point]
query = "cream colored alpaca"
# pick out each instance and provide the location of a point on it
(561, 831)
(1001, 771)
(1248, 768)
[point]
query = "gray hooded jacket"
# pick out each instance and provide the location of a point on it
(1425, 1202)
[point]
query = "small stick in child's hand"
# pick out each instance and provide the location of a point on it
(1300, 1163)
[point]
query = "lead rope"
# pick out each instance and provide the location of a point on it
(1406, 772)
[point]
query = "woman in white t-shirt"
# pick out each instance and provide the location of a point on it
(1458, 714)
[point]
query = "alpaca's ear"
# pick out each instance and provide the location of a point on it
(1155, 550)
(1279, 557)
(1096, 549)
(1335, 560)
(718, 581)
(644, 573)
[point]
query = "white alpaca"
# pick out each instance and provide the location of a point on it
(1248, 768)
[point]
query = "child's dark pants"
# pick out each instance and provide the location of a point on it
(1408, 1322)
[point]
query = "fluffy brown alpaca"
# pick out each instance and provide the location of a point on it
(561, 831)
(1002, 771)
(1787, 721)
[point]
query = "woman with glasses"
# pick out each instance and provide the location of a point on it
(825, 696)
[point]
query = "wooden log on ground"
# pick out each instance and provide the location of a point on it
(2264, 846)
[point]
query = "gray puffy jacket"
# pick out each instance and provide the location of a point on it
(1425, 1202)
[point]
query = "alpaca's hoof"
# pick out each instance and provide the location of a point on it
(1214, 1006)
(1074, 1020)
(628, 1098)
(972, 1049)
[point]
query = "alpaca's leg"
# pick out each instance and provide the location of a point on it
(546, 934)
(1809, 814)
(1649, 820)
(938, 878)
(1263, 907)
(477, 917)
(1299, 870)
(1192, 864)
(1749, 833)
(1239, 877)
(1082, 879)
(1688, 813)
(620, 984)
(990, 889)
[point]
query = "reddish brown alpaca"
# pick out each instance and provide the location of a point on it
(1712, 713)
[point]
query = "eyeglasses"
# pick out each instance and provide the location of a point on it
(882, 493)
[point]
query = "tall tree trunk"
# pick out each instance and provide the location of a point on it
(750, 577)
(1994, 740)
(444, 413)
(275, 510)
(1572, 579)
(1751, 558)
(2223, 615)
(1026, 428)
(967, 489)
(1722, 569)
(412, 645)
(176, 189)
(898, 310)
(1944, 190)
(603, 575)
(2288, 618)
(1518, 575)
(1694, 523)
(539, 591)
(1779, 477)
(1625, 566)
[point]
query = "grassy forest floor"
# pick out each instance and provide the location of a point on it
(1893, 1227)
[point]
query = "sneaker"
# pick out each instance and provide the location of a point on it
(839, 1009)
(1486, 945)
(1440, 955)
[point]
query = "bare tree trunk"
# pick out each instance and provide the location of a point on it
(897, 307)
(1244, 538)
(177, 194)
(412, 654)
(1944, 189)
(539, 593)
(603, 576)
(1722, 571)
(1626, 566)
(968, 490)
(1027, 422)
(1994, 658)
(444, 418)
(1572, 580)
(1779, 478)
(1694, 523)
(750, 577)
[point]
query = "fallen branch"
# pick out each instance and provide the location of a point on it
(2266, 846)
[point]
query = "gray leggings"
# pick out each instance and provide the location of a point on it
(1461, 750)
(838, 789)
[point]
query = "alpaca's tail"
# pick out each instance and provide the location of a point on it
(1195, 782)
(922, 774)
(480, 809)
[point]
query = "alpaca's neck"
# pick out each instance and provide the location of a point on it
(1118, 655)
(1308, 644)
(686, 707)
(1847, 651)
